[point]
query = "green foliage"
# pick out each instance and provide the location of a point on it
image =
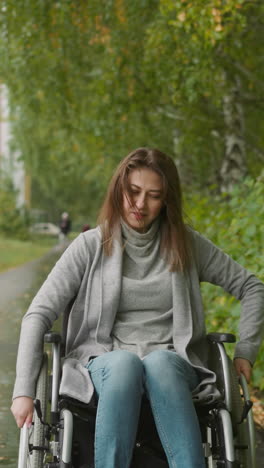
(89, 81)
(13, 223)
(235, 224)
(16, 252)
(200, 49)
(71, 85)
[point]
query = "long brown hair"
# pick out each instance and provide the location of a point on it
(174, 234)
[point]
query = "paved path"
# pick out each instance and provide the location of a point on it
(15, 282)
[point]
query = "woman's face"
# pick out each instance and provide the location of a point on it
(143, 203)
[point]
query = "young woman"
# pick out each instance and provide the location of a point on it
(137, 323)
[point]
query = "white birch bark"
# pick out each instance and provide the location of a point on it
(233, 168)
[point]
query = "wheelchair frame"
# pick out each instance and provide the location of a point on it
(227, 427)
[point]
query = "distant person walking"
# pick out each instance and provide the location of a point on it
(65, 225)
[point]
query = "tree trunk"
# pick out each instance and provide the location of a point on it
(233, 168)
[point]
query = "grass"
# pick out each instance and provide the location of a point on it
(14, 252)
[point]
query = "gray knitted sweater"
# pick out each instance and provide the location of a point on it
(84, 272)
(144, 318)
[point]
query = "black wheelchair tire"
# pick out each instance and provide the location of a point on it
(246, 437)
(37, 430)
(244, 432)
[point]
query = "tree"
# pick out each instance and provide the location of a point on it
(90, 81)
(71, 94)
(207, 52)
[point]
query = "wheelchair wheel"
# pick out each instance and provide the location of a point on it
(66, 437)
(246, 434)
(225, 439)
(35, 436)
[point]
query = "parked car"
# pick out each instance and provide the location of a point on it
(49, 229)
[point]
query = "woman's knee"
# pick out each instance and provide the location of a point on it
(122, 358)
(119, 371)
(162, 363)
(159, 359)
(168, 367)
(124, 365)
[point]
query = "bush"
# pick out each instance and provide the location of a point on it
(235, 223)
(13, 222)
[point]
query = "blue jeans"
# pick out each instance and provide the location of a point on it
(120, 378)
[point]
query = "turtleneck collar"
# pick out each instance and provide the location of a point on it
(139, 239)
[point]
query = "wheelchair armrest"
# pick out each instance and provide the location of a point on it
(52, 337)
(221, 337)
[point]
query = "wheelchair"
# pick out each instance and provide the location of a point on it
(62, 432)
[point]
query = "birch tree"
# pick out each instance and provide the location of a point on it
(212, 56)
(233, 168)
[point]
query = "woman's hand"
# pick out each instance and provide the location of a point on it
(243, 366)
(22, 409)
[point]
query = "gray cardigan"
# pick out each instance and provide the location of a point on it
(95, 279)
